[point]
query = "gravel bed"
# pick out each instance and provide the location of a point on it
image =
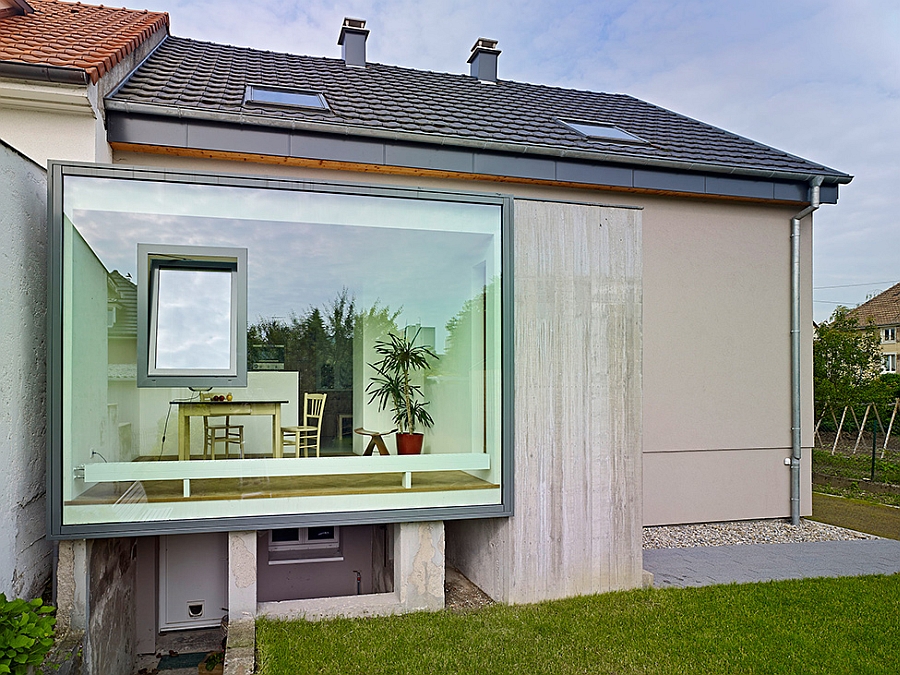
(745, 532)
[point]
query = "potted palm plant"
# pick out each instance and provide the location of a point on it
(392, 388)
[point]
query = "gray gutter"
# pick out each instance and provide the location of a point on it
(41, 73)
(341, 129)
(796, 382)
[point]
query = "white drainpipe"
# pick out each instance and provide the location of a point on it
(796, 416)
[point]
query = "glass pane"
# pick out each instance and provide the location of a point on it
(193, 310)
(331, 279)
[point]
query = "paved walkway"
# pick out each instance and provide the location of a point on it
(705, 566)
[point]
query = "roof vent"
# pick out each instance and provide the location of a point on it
(353, 42)
(484, 60)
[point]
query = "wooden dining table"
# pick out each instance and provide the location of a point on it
(189, 409)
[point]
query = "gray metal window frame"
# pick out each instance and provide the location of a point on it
(56, 530)
(150, 259)
(633, 139)
(251, 91)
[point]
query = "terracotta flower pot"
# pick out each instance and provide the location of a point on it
(409, 444)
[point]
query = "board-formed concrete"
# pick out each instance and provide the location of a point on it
(578, 503)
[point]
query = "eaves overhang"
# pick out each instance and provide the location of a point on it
(142, 124)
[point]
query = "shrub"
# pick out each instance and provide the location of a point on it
(26, 634)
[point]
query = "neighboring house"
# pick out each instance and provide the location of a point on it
(576, 260)
(883, 311)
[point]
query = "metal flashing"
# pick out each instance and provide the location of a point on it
(334, 127)
(206, 135)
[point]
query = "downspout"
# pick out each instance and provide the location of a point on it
(796, 384)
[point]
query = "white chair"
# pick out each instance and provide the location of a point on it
(308, 435)
(227, 434)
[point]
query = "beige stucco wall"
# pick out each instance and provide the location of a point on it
(716, 337)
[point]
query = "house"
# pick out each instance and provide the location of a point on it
(576, 262)
(883, 311)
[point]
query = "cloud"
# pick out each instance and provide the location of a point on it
(819, 79)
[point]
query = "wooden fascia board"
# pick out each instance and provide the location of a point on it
(355, 167)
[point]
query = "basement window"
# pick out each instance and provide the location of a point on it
(606, 132)
(291, 98)
(305, 544)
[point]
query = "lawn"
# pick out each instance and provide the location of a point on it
(830, 626)
(855, 471)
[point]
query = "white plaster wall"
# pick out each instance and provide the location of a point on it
(24, 553)
(43, 135)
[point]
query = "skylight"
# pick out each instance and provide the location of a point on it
(604, 131)
(256, 95)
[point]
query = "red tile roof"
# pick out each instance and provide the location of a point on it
(883, 309)
(90, 37)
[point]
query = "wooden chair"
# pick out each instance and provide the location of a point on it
(308, 435)
(222, 433)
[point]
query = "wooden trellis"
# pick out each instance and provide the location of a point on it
(870, 407)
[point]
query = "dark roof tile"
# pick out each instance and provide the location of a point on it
(208, 77)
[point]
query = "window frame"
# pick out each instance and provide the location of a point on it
(889, 363)
(625, 137)
(58, 171)
(252, 90)
(152, 260)
(888, 335)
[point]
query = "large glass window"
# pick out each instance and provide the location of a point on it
(340, 283)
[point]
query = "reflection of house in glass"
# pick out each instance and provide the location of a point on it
(266, 357)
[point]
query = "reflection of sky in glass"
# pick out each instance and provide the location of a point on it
(303, 249)
(194, 327)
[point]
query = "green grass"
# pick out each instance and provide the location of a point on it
(856, 514)
(829, 626)
(857, 468)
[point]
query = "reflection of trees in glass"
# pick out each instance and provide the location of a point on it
(466, 334)
(318, 344)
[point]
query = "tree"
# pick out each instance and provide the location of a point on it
(847, 363)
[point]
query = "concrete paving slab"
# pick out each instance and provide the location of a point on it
(704, 566)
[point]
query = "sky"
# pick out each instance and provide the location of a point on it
(819, 79)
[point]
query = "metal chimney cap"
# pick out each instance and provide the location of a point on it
(484, 43)
(353, 27)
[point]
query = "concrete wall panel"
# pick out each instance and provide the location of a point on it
(578, 412)
(110, 644)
